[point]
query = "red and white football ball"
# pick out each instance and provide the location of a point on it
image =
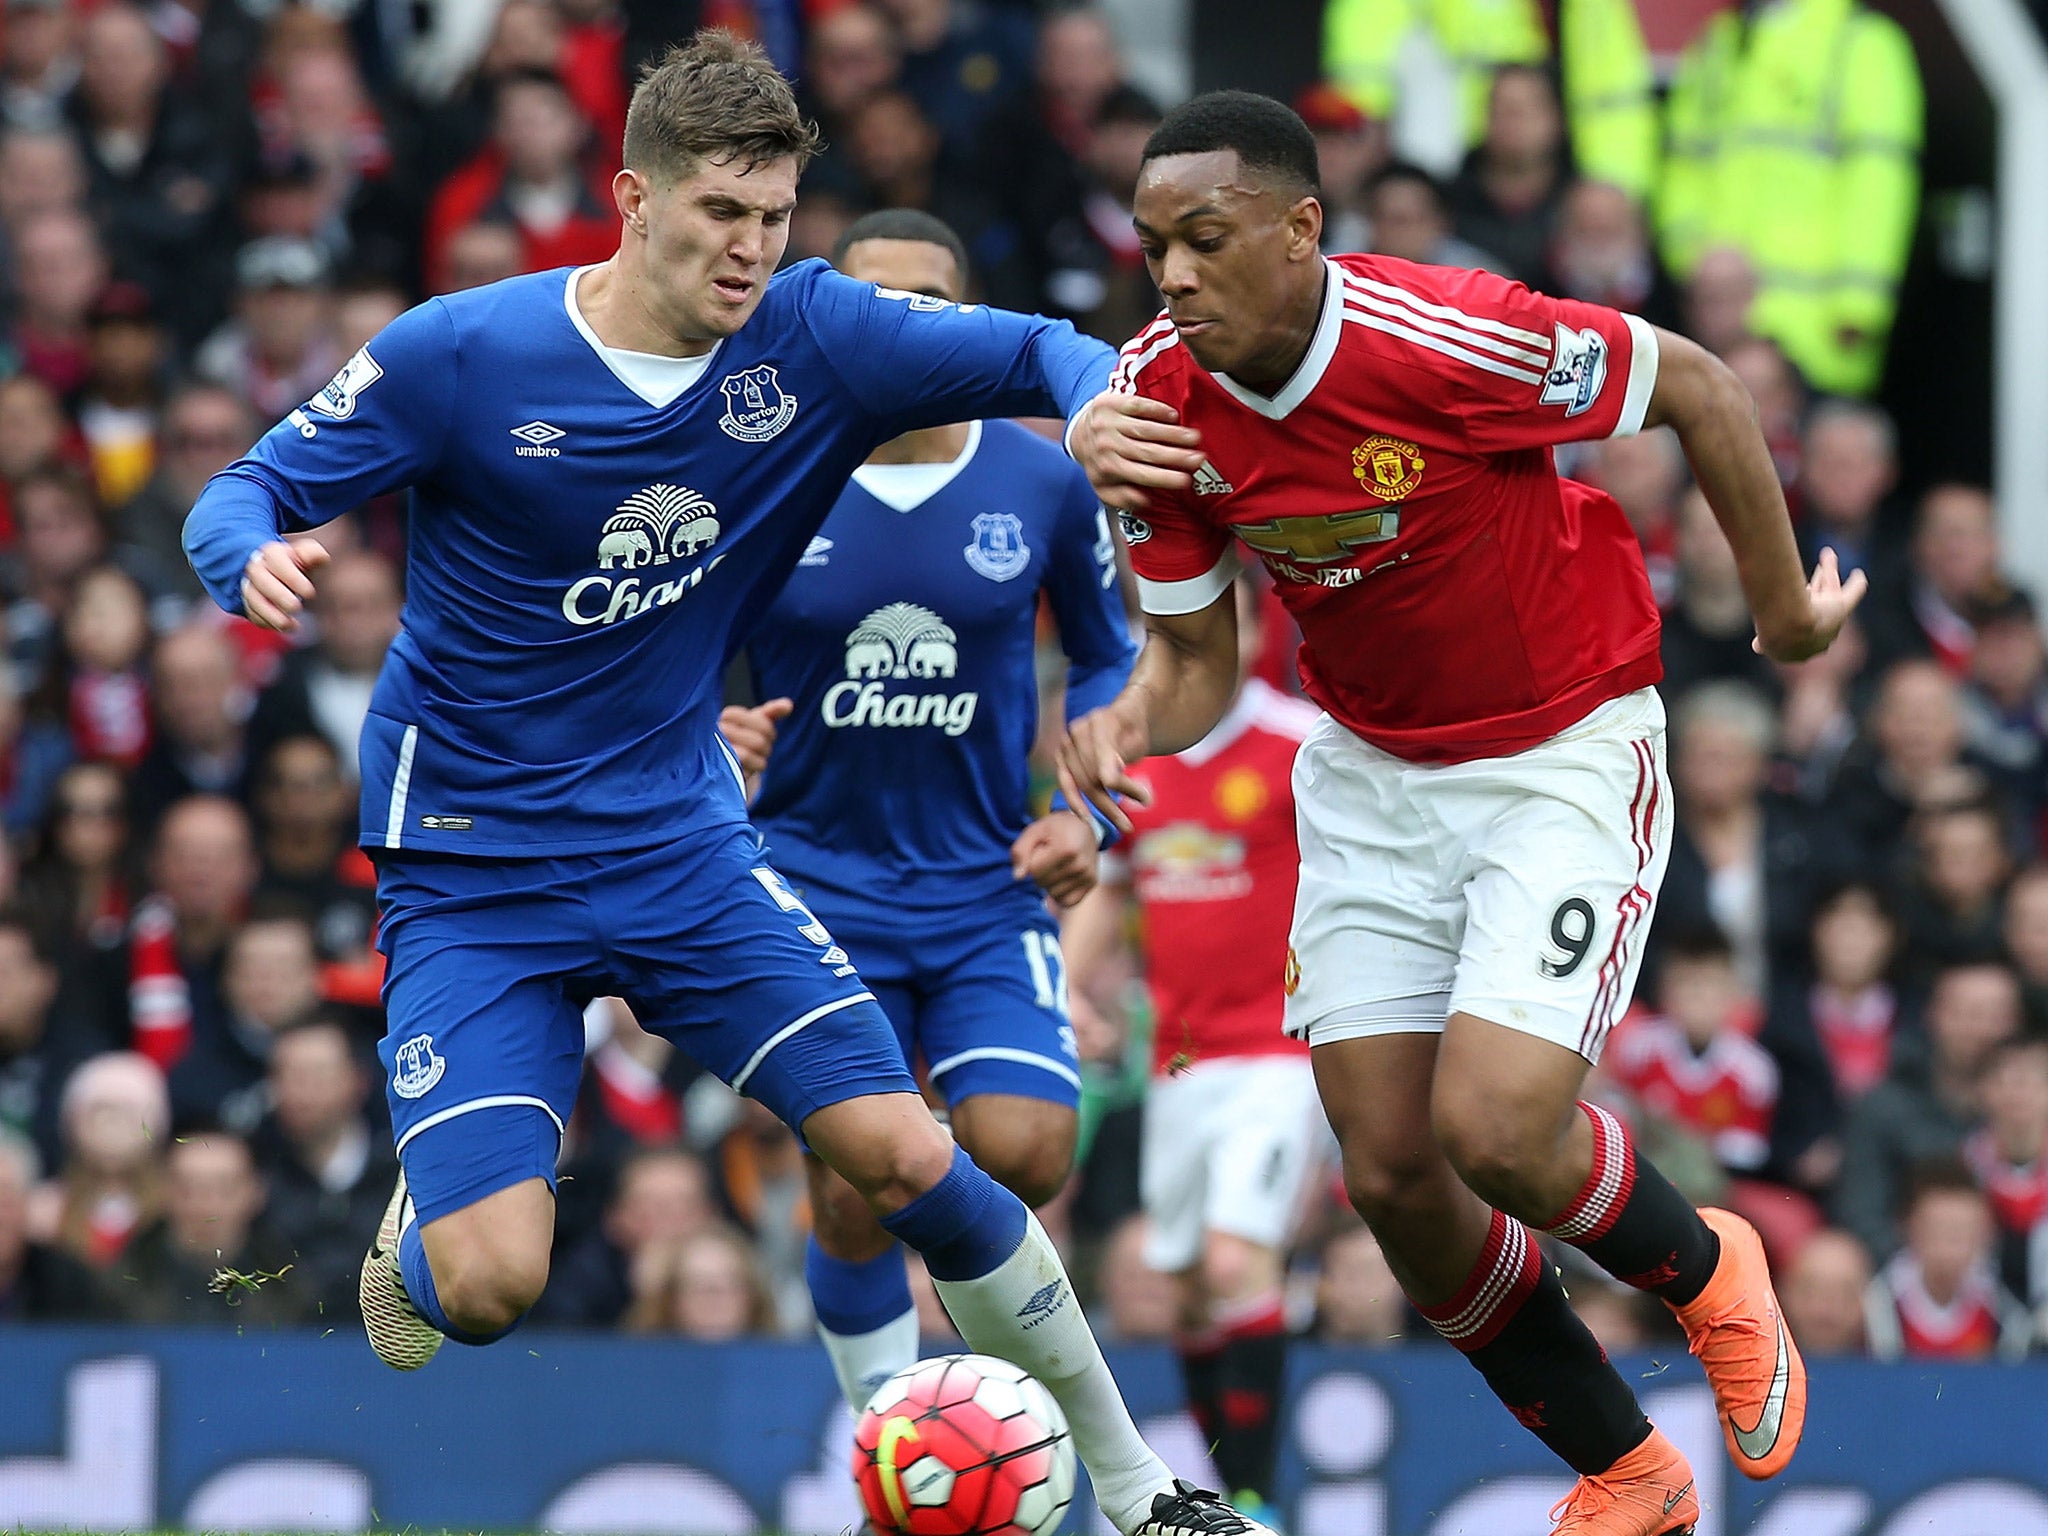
(963, 1445)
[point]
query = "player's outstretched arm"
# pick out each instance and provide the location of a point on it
(1702, 400)
(1179, 689)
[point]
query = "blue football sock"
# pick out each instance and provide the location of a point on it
(419, 1289)
(851, 1297)
(965, 1225)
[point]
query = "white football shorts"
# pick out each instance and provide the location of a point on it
(1229, 1146)
(1517, 889)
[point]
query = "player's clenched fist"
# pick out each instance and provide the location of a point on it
(277, 583)
(1129, 445)
(1094, 761)
(750, 732)
(1059, 852)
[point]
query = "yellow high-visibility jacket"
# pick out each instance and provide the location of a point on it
(1610, 93)
(1795, 137)
(1361, 39)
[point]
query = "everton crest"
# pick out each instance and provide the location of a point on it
(998, 551)
(756, 405)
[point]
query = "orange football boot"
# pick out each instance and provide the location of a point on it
(1738, 1330)
(1646, 1493)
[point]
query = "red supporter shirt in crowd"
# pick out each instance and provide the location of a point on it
(1457, 599)
(1212, 862)
(1727, 1094)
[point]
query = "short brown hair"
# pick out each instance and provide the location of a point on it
(717, 99)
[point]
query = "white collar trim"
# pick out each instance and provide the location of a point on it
(906, 487)
(658, 380)
(1321, 348)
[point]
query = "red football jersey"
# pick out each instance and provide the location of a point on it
(1727, 1094)
(1457, 599)
(1212, 860)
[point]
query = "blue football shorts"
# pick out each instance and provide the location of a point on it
(980, 993)
(491, 962)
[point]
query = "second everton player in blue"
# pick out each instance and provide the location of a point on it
(898, 670)
(614, 470)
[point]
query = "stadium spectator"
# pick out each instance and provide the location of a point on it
(1717, 301)
(59, 269)
(663, 1196)
(203, 872)
(2026, 940)
(1358, 1300)
(706, 1286)
(1600, 252)
(209, 1259)
(38, 63)
(306, 821)
(34, 434)
(1613, 1313)
(159, 169)
(39, 1046)
(537, 174)
(327, 685)
(206, 427)
(2009, 1156)
(1646, 474)
(269, 982)
(1135, 1301)
(363, 306)
(852, 54)
(961, 59)
(36, 1281)
(1911, 756)
(79, 884)
(1407, 216)
(119, 402)
(1848, 466)
(1029, 157)
(1932, 608)
(313, 114)
(1510, 191)
(760, 1176)
(1823, 1291)
(1744, 860)
(1707, 628)
(1939, 1297)
(41, 172)
(485, 251)
(116, 1120)
(60, 536)
(327, 1165)
(95, 686)
(33, 752)
(1951, 905)
(1349, 147)
(279, 349)
(1780, 397)
(202, 744)
(1924, 1110)
(2005, 709)
(1833, 1031)
(1695, 1064)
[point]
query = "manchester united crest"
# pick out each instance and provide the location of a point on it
(1290, 975)
(1387, 467)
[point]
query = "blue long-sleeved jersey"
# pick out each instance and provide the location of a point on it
(906, 639)
(590, 545)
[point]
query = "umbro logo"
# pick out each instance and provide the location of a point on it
(534, 439)
(1043, 1302)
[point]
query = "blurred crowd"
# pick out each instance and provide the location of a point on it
(206, 205)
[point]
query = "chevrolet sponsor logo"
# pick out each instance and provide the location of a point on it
(1323, 540)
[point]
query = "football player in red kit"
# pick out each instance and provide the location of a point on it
(1482, 811)
(1231, 1139)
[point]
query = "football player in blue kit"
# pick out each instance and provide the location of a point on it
(898, 669)
(614, 469)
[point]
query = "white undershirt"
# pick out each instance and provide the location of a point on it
(907, 487)
(658, 380)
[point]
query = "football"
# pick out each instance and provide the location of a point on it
(963, 1445)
